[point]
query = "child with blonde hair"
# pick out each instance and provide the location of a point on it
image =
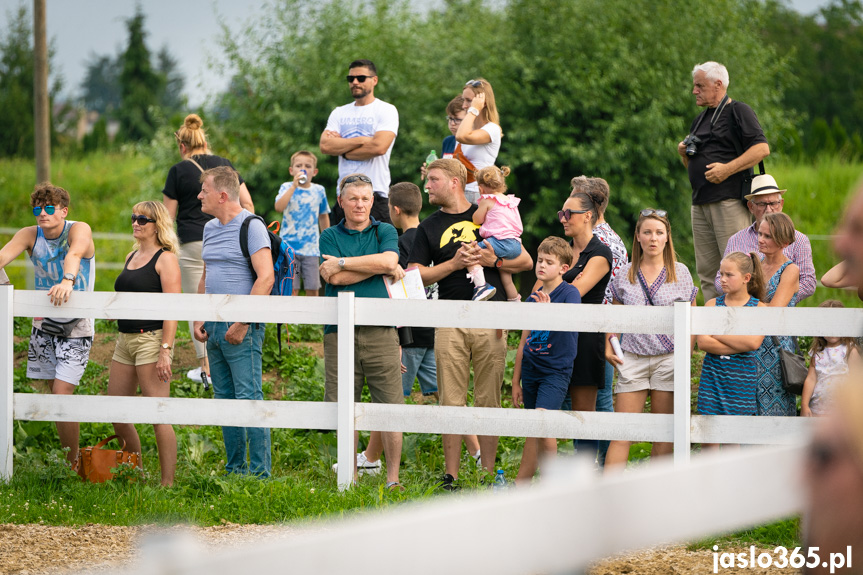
(500, 227)
(828, 366)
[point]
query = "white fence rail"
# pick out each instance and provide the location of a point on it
(680, 321)
(562, 525)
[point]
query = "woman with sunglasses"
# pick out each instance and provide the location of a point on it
(180, 196)
(654, 277)
(478, 134)
(145, 348)
(590, 274)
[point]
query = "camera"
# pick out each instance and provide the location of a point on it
(691, 142)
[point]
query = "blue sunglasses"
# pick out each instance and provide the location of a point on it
(48, 210)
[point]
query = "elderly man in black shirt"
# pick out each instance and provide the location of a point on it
(725, 141)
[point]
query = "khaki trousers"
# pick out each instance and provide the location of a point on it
(712, 225)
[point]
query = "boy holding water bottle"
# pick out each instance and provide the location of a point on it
(305, 214)
(543, 364)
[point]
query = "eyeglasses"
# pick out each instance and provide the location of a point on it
(566, 214)
(452, 120)
(473, 83)
(763, 205)
(359, 79)
(142, 220)
(652, 212)
(48, 210)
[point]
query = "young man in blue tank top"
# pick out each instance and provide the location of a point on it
(63, 257)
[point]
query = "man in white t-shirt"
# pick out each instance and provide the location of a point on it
(362, 134)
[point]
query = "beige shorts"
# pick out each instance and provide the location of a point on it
(139, 348)
(640, 372)
(376, 362)
(455, 349)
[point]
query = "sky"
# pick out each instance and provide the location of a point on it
(189, 28)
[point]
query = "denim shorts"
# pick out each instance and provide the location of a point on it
(544, 390)
(504, 249)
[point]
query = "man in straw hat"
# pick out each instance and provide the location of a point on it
(724, 142)
(766, 198)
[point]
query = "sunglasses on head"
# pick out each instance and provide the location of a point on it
(652, 212)
(48, 210)
(361, 78)
(353, 179)
(566, 214)
(473, 83)
(142, 220)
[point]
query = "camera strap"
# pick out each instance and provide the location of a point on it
(716, 113)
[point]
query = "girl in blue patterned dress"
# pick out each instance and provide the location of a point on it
(728, 375)
(775, 233)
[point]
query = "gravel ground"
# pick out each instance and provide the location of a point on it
(41, 549)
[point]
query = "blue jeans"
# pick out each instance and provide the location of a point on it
(605, 403)
(420, 364)
(236, 374)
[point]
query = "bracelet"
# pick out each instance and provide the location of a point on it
(473, 111)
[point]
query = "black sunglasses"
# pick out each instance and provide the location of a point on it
(566, 214)
(651, 212)
(142, 220)
(360, 79)
(48, 210)
(353, 179)
(473, 83)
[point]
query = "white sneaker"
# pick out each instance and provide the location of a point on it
(478, 459)
(195, 375)
(364, 466)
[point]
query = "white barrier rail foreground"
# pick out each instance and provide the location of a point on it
(347, 311)
(570, 520)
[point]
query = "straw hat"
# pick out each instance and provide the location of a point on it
(762, 185)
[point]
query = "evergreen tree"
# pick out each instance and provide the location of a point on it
(16, 85)
(141, 86)
(101, 85)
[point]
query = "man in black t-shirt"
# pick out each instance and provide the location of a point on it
(447, 239)
(731, 142)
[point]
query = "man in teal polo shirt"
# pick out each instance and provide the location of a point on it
(355, 255)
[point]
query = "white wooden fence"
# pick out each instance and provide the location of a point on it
(681, 321)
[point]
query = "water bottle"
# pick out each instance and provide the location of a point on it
(499, 482)
(303, 178)
(431, 158)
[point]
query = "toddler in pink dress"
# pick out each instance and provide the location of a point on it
(500, 227)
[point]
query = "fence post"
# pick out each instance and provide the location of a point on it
(682, 382)
(6, 378)
(345, 433)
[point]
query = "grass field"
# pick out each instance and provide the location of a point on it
(104, 187)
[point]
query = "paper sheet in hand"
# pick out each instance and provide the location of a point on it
(4, 279)
(409, 287)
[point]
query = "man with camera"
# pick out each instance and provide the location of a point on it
(725, 141)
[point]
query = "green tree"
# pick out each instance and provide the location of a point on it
(172, 99)
(101, 85)
(141, 87)
(16, 85)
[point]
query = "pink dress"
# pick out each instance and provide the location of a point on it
(502, 222)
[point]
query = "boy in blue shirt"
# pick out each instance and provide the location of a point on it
(543, 364)
(305, 214)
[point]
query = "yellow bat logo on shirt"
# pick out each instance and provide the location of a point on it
(460, 232)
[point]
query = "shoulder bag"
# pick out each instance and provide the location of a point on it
(95, 464)
(793, 367)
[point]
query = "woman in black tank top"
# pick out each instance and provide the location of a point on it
(144, 350)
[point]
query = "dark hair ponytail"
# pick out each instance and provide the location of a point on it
(589, 201)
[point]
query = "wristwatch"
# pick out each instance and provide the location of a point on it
(498, 262)
(70, 277)
(165, 345)
(342, 263)
(473, 111)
